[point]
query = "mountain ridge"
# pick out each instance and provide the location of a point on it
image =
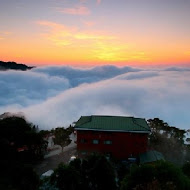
(11, 65)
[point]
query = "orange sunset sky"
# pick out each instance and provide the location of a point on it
(95, 32)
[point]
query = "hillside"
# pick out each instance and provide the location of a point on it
(13, 66)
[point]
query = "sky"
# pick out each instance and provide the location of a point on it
(96, 57)
(95, 32)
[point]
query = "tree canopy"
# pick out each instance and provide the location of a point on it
(168, 140)
(160, 176)
(20, 139)
(62, 136)
(21, 145)
(95, 173)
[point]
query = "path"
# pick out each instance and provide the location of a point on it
(56, 156)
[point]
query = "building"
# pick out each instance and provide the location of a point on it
(120, 137)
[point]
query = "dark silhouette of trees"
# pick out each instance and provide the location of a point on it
(66, 178)
(160, 176)
(168, 140)
(21, 145)
(20, 140)
(186, 169)
(100, 173)
(93, 173)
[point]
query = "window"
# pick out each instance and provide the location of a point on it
(95, 141)
(107, 142)
(83, 141)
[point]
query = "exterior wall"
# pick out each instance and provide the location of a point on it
(123, 145)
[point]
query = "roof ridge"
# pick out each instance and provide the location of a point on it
(112, 116)
(138, 124)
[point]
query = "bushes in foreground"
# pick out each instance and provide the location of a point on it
(159, 176)
(97, 173)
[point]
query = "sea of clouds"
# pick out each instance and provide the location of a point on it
(58, 96)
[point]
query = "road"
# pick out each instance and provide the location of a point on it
(56, 156)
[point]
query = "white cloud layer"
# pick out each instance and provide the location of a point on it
(27, 88)
(58, 96)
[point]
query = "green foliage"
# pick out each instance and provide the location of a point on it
(18, 176)
(158, 125)
(20, 144)
(138, 175)
(187, 153)
(25, 178)
(162, 176)
(161, 135)
(167, 173)
(62, 136)
(20, 140)
(95, 173)
(100, 172)
(66, 178)
(186, 169)
(44, 133)
(70, 129)
(122, 170)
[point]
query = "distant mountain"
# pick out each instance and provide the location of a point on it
(13, 65)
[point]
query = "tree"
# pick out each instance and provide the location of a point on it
(18, 176)
(186, 169)
(160, 176)
(20, 144)
(20, 140)
(161, 135)
(24, 177)
(97, 173)
(65, 177)
(62, 137)
(101, 173)
(93, 173)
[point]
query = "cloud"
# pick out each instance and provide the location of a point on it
(20, 88)
(83, 1)
(98, 1)
(88, 23)
(141, 97)
(79, 76)
(99, 45)
(26, 88)
(56, 33)
(137, 76)
(4, 35)
(106, 90)
(79, 10)
(177, 69)
(60, 34)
